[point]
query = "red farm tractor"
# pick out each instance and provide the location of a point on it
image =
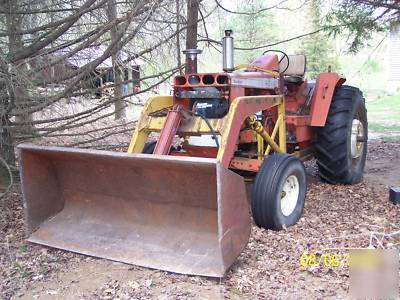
(179, 203)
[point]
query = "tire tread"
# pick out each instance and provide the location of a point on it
(332, 140)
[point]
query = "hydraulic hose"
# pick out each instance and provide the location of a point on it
(210, 127)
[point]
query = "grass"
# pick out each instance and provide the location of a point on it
(23, 272)
(380, 127)
(384, 114)
(385, 105)
(391, 138)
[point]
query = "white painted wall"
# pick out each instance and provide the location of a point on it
(394, 58)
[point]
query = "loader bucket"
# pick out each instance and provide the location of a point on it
(180, 214)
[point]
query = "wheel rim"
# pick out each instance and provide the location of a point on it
(289, 195)
(357, 139)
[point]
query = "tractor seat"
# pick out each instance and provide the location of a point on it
(294, 73)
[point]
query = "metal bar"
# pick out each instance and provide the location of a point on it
(260, 147)
(274, 132)
(228, 127)
(271, 142)
(259, 128)
(141, 132)
(282, 127)
(169, 131)
(196, 125)
(240, 109)
(247, 164)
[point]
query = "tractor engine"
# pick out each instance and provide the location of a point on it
(211, 108)
(210, 94)
(206, 95)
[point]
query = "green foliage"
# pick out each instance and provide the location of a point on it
(23, 271)
(317, 47)
(251, 29)
(372, 66)
(383, 127)
(358, 21)
(384, 114)
(388, 105)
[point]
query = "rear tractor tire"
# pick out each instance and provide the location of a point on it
(341, 145)
(279, 192)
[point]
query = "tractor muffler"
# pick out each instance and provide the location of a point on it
(180, 214)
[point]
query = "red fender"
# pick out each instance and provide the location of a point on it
(322, 97)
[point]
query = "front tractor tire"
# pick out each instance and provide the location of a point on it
(341, 145)
(279, 192)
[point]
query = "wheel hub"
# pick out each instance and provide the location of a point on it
(357, 138)
(289, 195)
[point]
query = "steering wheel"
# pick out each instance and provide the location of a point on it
(284, 55)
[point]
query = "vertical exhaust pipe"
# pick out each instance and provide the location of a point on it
(191, 60)
(227, 52)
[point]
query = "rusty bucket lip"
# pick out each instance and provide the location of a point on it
(215, 274)
(93, 152)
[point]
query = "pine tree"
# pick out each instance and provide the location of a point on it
(318, 47)
(251, 30)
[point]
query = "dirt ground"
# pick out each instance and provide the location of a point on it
(335, 217)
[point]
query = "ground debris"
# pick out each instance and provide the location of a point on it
(335, 218)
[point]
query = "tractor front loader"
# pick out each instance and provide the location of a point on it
(179, 203)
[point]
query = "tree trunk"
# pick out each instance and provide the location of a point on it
(15, 43)
(13, 23)
(192, 17)
(6, 139)
(178, 36)
(119, 103)
(191, 31)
